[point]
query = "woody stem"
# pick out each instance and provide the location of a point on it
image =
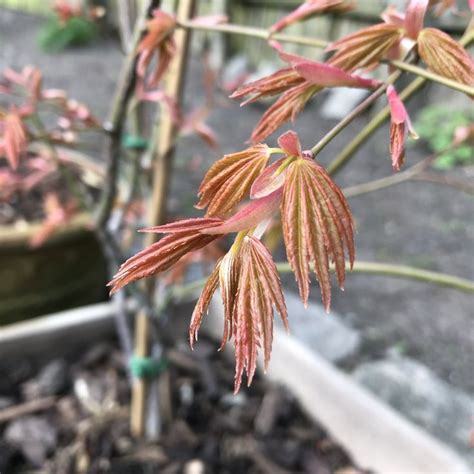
(371, 268)
(355, 113)
(432, 76)
(261, 33)
(413, 172)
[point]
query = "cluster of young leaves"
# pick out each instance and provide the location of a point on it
(439, 127)
(316, 220)
(29, 163)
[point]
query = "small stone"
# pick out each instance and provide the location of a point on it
(341, 101)
(6, 402)
(233, 400)
(417, 392)
(51, 380)
(326, 334)
(195, 466)
(34, 436)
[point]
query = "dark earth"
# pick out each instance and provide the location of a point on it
(415, 223)
(81, 421)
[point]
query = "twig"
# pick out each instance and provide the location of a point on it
(452, 181)
(403, 271)
(416, 172)
(255, 33)
(432, 76)
(26, 408)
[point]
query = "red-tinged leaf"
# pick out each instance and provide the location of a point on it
(464, 134)
(290, 143)
(397, 144)
(393, 17)
(269, 181)
(268, 86)
(14, 138)
(325, 75)
(229, 180)
(157, 41)
(259, 289)
(158, 28)
(229, 272)
(202, 305)
(56, 215)
(317, 226)
(399, 121)
(287, 107)
(414, 17)
(159, 257)
(398, 112)
(365, 48)
(204, 257)
(186, 225)
(310, 8)
(445, 57)
(249, 216)
(206, 134)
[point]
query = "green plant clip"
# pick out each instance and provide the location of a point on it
(134, 142)
(147, 367)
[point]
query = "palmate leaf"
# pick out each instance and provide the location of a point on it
(15, 141)
(445, 56)
(250, 289)
(317, 226)
(183, 237)
(229, 180)
(287, 107)
(259, 290)
(364, 48)
(310, 8)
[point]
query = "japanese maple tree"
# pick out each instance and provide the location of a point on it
(242, 192)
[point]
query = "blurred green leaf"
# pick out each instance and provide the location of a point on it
(437, 125)
(56, 36)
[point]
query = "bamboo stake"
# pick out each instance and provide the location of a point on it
(161, 174)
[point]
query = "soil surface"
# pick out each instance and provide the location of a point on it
(67, 417)
(415, 223)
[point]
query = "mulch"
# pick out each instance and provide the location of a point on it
(70, 416)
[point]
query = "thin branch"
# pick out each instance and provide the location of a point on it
(32, 406)
(454, 182)
(403, 271)
(253, 32)
(181, 292)
(396, 178)
(432, 77)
